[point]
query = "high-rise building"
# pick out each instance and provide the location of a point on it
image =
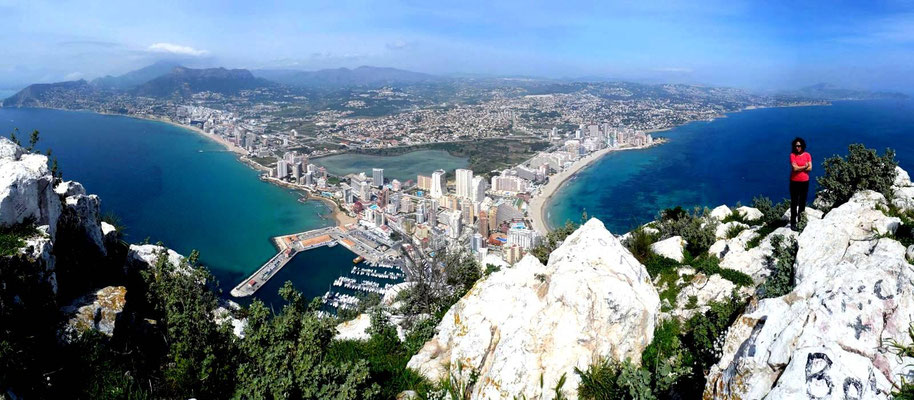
(482, 225)
(377, 177)
(364, 191)
(282, 169)
(523, 238)
(395, 185)
(454, 224)
(439, 185)
(478, 191)
(383, 197)
(347, 192)
(466, 212)
(464, 183)
(477, 242)
(424, 182)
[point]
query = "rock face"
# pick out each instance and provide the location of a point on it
(903, 190)
(146, 255)
(82, 214)
(26, 189)
(670, 248)
(826, 338)
(532, 322)
(733, 253)
(98, 310)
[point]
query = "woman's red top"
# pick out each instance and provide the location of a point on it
(801, 160)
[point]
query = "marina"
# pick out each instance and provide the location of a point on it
(376, 266)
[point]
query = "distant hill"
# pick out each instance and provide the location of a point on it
(184, 81)
(342, 77)
(133, 79)
(825, 91)
(38, 94)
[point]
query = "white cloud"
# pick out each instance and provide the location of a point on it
(175, 49)
(72, 76)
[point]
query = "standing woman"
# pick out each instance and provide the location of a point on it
(800, 165)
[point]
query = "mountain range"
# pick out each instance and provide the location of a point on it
(345, 77)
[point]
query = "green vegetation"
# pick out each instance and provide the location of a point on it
(781, 262)
(862, 169)
(696, 228)
(772, 218)
(903, 389)
(674, 365)
(734, 230)
(13, 238)
(552, 240)
(905, 231)
(639, 244)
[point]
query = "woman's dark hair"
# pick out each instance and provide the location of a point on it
(800, 141)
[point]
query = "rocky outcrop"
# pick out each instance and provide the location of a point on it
(26, 189)
(670, 248)
(143, 256)
(98, 310)
(734, 253)
(534, 323)
(81, 213)
(902, 190)
(701, 290)
(720, 212)
(827, 338)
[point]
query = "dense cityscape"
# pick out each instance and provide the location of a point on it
(494, 212)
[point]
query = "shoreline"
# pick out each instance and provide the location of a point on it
(538, 204)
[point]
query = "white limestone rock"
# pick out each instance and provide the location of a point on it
(109, 232)
(904, 198)
(910, 253)
(355, 329)
(82, 213)
(721, 212)
(733, 253)
(26, 192)
(69, 188)
(826, 338)
(224, 314)
(146, 255)
(750, 213)
(9, 151)
(98, 310)
(811, 213)
(531, 322)
(902, 179)
(670, 248)
(41, 249)
(723, 229)
(703, 290)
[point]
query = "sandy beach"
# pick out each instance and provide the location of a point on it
(537, 208)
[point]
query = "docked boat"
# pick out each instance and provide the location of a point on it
(358, 259)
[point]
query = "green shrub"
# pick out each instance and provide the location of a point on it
(13, 238)
(771, 213)
(552, 241)
(903, 389)
(781, 262)
(734, 230)
(862, 169)
(611, 380)
(710, 265)
(706, 332)
(695, 228)
(639, 244)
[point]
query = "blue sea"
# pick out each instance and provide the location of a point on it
(729, 160)
(171, 185)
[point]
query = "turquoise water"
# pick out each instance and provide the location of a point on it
(403, 167)
(171, 185)
(728, 160)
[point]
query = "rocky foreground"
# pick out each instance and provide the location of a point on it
(523, 328)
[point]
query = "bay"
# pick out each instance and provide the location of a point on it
(728, 160)
(172, 185)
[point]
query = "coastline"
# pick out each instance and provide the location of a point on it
(538, 204)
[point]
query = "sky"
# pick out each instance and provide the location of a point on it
(761, 46)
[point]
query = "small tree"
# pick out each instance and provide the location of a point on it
(33, 140)
(862, 169)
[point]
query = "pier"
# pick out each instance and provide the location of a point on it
(289, 246)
